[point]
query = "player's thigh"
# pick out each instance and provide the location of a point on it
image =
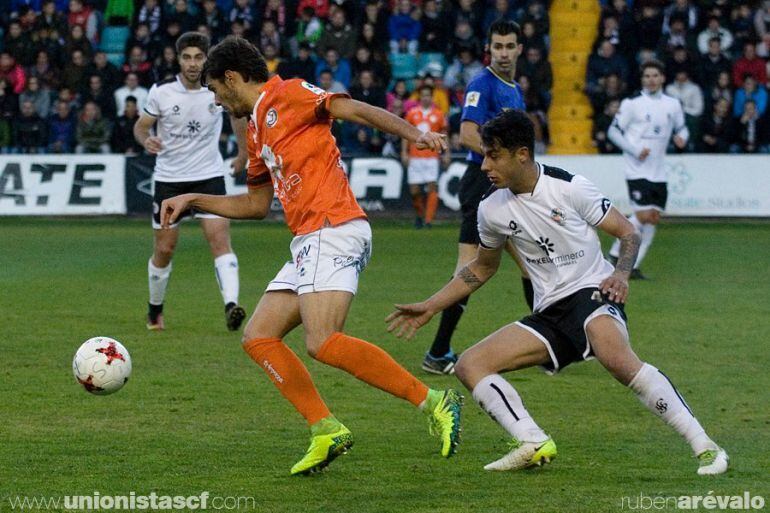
(323, 313)
(609, 342)
(509, 348)
(164, 243)
(217, 233)
(516, 258)
(465, 254)
(276, 314)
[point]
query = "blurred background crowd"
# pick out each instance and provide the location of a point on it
(74, 74)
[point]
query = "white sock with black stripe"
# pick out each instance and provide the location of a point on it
(658, 394)
(500, 400)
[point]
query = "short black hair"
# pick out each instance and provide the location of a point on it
(503, 27)
(235, 54)
(131, 98)
(653, 63)
(193, 39)
(511, 129)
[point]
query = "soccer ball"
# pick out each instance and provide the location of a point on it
(102, 365)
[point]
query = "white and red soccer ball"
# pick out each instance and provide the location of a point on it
(102, 365)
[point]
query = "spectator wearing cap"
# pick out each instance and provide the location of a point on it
(463, 68)
(61, 129)
(716, 129)
(749, 64)
(338, 34)
(339, 67)
(750, 91)
(403, 25)
(302, 66)
(714, 29)
(433, 36)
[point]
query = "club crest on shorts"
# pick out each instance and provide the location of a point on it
(557, 215)
(271, 118)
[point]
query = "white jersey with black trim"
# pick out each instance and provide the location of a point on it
(189, 126)
(647, 121)
(553, 230)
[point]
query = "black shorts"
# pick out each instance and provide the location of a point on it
(165, 190)
(473, 186)
(645, 194)
(561, 326)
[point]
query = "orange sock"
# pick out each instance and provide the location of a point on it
(431, 206)
(419, 204)
(371, 365)
(289, 375)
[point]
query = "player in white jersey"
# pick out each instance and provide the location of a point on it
(186, 143)
(642, 128)
(551, 217)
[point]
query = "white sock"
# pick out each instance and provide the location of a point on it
(226, 269)
(501, 401)
(648, 233)
(158, 280)
(655, 391)
(615, 249)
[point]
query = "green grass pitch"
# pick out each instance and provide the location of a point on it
(198, 415)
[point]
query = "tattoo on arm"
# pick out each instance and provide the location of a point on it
(470, 279)
(629, 248)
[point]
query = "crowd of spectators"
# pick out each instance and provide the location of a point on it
(64, 88)
(716, 56)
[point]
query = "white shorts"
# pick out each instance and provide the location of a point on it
(422, 171)
(327, 259)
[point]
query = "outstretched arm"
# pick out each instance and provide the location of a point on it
(381, 119)
(407, 319)
(616, 285)
(253, 205)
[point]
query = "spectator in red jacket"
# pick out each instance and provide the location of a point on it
(321, 7)
(12, 73)
(749, 64)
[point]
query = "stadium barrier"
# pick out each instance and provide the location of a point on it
(699, 185)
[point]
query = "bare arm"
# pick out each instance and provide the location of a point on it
(615, 224)
(253, 205)
(470, 136)
(142, 134)
(381, 119)
(407, 319)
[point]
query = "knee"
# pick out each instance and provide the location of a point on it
(164, 252)
(464, 370)
(314, 342)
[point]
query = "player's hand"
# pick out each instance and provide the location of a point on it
(238, 164)
(679, 142)
(153, 145)
(172, 208)
(643, 155)
(615, 287)
(407, 319)
(432, 141)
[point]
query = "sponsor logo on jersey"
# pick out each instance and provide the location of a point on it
(545, 244)
(313, 89)
(271, 118)
(193, 126)
(514, 227)
(175, 110)
(472, 99)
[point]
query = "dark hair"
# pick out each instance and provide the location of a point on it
(193, 39)
(131, 98)
(503, 27)
(511, 129)
(425, 86)
(653, 63)
(235, 54)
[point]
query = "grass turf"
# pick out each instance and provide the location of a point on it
(198, 415)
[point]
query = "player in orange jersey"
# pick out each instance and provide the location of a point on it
(423, 165)
(293, 154)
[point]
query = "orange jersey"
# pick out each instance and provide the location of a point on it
(431, 120)
(291, 144)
